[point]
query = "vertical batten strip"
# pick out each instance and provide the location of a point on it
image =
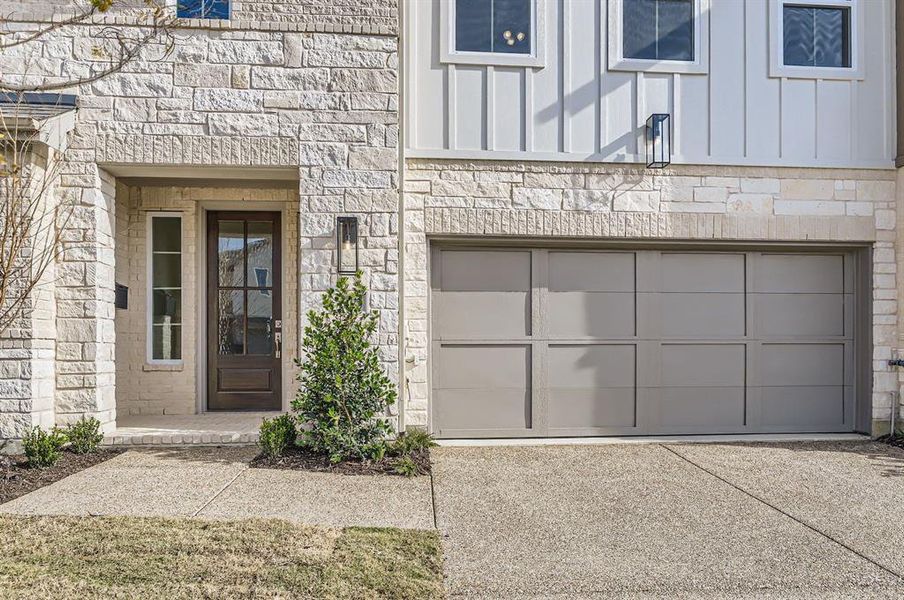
(528, 99)
(602, 103)
(489, 116)
(640, 109)
(676, 110)
(451, 142)
(565, 70)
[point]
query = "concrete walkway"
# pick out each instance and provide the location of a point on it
(218, 483)
(811, 520)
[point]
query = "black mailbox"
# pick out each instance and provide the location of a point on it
(122, 296)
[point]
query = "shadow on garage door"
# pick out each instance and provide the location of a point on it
(576, 342)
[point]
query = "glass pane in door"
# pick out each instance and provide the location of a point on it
(231, 253)
(231, 322)
(260, 254)
(260, 322)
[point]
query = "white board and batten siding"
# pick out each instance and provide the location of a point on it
(574, 108)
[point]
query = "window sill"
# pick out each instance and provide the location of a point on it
(492, 59)
(797, 72)
(163, 367)
(658, 66)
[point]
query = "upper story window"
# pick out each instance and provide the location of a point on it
(658, 29)
(669, 36)
(492, 32)
(202, 9)
(815, 39)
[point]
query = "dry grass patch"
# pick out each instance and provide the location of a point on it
(119, 557)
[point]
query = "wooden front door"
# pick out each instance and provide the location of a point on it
(244, 311)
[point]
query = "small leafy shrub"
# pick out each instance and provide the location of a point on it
(277, 435)
(344, 391)
(42, 448)
(84, 435)
(409, 442)
(405, 466)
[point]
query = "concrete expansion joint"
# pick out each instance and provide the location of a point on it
(765, 502)
(221, 491)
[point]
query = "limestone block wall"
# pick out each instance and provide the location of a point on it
(317, 97)
(571, 200)
(142, 387)
(348, 16)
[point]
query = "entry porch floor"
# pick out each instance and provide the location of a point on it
(206, 429)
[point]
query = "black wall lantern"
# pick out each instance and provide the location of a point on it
(659, 141)
(347, 240)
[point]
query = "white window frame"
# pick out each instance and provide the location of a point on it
(618, 61)
(149, 274)
(537, 57)
(777, 66)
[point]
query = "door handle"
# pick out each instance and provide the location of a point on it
(277, 338)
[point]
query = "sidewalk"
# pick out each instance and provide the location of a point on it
(217, 483)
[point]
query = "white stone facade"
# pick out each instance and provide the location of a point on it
(304, 96)
(301, 91)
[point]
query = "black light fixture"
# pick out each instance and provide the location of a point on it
(347, 240)
(659, 140)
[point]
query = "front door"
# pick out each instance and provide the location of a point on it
(244, 311)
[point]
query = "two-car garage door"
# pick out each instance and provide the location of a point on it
(572, 342)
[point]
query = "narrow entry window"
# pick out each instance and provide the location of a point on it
(166, 288)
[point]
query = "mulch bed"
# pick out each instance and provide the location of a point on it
(892, 440)
(19, 479)
(302, 459)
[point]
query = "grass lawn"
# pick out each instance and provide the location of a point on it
(74, 557)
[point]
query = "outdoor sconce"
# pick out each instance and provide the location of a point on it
(659, 141)
(347, 239)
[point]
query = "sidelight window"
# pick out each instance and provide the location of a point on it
(165, 288)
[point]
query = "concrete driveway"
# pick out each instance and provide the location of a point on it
(791, 520)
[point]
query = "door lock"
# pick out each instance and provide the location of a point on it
(277, 338)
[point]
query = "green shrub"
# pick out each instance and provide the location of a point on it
(277, 435)
(414, 440)
(42, 448)
(84, 435)
(344, 392)
(405, 466)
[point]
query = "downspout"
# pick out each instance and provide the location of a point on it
(403, 375)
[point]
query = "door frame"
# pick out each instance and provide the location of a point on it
(858, 255)
(288, 312)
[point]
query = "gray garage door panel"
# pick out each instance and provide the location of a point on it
(497, 272)
(813, 407)
(702, 409)
(800, 273)
(791, 315)
(536, 342)
(802, 364)
(697, 272)
(591, 271)
(711, 315)
(493, 381)
(493, 315)
(703, 365)
(591, 314)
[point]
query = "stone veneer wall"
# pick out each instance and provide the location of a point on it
(317, 99)
(144, 388)
(337, 16)
(474, 199)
